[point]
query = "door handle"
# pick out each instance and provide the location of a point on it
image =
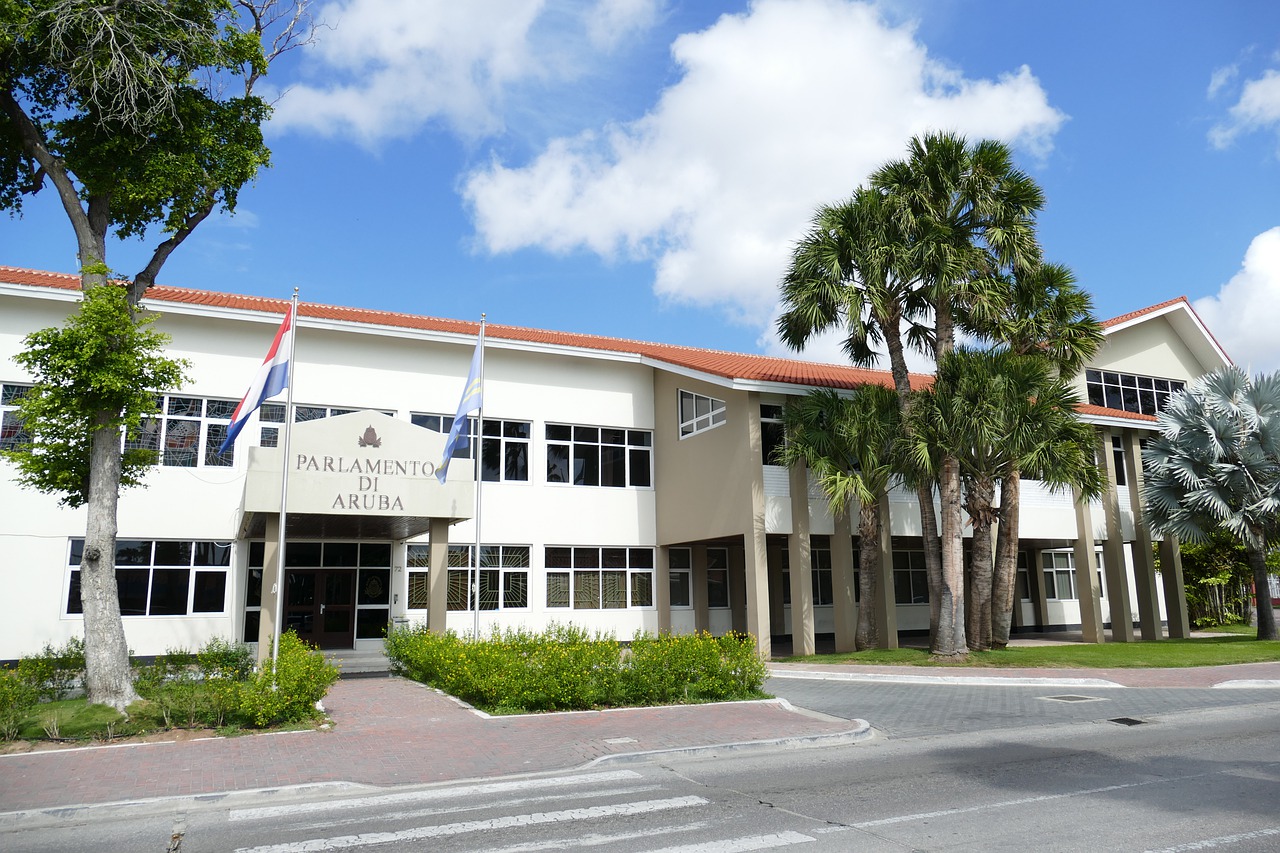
(321, 609)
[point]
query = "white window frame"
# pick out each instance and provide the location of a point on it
(639, 565)
(12, 433)
(271, 418)
(638, 442)
(506, 443)
(211, 431)
(720, 567)
(698, 413)
(191, 566)
(507, 562)
(680, 571)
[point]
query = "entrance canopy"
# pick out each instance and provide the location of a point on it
(362, 475)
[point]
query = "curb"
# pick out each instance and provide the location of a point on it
(974, 680)
(855, 735)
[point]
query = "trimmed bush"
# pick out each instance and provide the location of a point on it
(566, 668)
(55, 670)
(17, 698)
(287, 690)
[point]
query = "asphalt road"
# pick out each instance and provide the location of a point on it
(1199, 771)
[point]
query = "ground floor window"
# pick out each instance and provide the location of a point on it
(718, 577)
(819, 572)
(503, 581)
(910, 579)
(162, 578)
(1022, 585)
(1060, 574)
(679, 574)
(591, 578)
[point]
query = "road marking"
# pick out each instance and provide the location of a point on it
(1210, 843)
(598, 839)
(368, 839)
(521, 802)
(430, 794)
(1084, 792)
(738, 845)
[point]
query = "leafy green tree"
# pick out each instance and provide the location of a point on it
(143, 117)
(848, 444)
(1218, 578)
(1216, 466)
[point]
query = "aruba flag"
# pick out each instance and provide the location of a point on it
(472, 399)
(272, 378)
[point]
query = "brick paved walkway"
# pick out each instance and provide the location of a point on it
(388, 732)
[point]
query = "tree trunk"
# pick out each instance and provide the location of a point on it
(866, 635)
(980, 495)
(1261, 587)
(1005, 575)
(949, 639)
(108, 676)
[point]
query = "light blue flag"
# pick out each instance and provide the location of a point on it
(472, 398)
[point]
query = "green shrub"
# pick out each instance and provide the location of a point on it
(224, 659)
(567, 668)
(54, 671)
(17, 698)
(287, 690)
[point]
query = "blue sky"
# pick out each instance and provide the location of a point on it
(640, 168)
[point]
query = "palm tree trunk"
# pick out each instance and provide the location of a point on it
(980, 494)
(1005, 575)
(949, 639)
(866, 635)
(1255, 547)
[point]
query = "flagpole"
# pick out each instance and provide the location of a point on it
(284, 487)
(478, 453)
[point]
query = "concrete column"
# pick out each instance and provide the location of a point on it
(777, 611)
(885, 603)
(270, 588)
(662, 586)
(1175, 593)
(739, 581)
(802, 641)
(698, 577)
(756, 565)
(845, 609)
(1113, 547)
(1087, 573)
(1144, 564)
(438, 575)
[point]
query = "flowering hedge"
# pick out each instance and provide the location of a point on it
(565, 668)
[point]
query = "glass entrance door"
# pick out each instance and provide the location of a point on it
(320, 606)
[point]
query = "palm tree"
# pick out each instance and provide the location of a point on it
(966, 215)
(847, 443)
(1216, 465)
(1047, 315)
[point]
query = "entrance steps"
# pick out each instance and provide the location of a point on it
(363, 664)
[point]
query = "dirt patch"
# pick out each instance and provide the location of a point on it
(19, 747)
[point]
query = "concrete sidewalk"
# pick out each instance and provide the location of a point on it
(389, 731)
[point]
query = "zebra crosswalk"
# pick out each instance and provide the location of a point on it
(615, 809)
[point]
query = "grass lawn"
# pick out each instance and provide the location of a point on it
(1200, 651)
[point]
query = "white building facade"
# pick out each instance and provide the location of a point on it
(623, 488)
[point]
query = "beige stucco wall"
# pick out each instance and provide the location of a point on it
(704, 483)
(1151, 348)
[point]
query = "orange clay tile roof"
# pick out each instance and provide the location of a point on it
(1102, 411)
(752, 368)
(1124, 318)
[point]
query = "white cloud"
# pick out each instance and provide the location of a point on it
(611, 20)
(1257, 109)
(1221, 77)
(778, 109)
(390, 66)
(1245, 312)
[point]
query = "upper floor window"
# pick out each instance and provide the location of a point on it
(271, 418)
(699, 413)
(599, 456)
(12, 432)
(1144, 395)
(187, 433)
(772, 432)
(504, 452)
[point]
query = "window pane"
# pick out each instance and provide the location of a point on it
(341, 554)
(559, 558)
(586, 590)
(272, 413)
(308, 413)
(253, 589)
(613, 588)
(302, 554)
(586, 558)
(181, 443)
(252, 620)
(640, 558)
(515, 556)
(557, 463)
(12, 432)
(173, 554)
(419, 591)
(640, 475)
(559, 432)
(133, 552)
(679, 558)
(222, 409)
(641, 589)
(371, 624)
(375, 555)
(613, 558)
(212, 554)
(73, 595)
(459, 583)
(613, 466)
(679, 581)
(687, 411)
(132, 584)
(189, 406)
(586, 465)
(717, 558)
(717, 588)
(210, 592)
(491, 460)
(557, 589)
(418, 556)
(489, 589)
(902, 587)
(583, 433)
(375, 586)
(516, 462)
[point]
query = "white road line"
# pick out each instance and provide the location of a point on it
(1084, 792)
(368, 839)
(520, 802)
(1210, 843)
(598, 840)
(430, 794)
(738, 845)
